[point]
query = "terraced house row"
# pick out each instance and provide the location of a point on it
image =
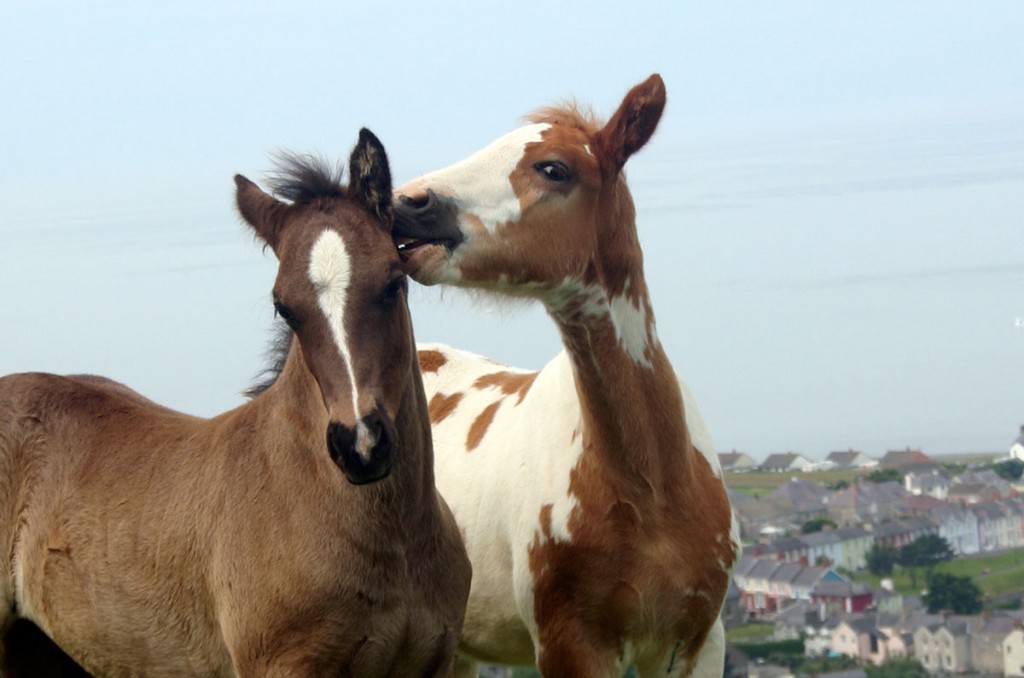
(992, 520)
(991, 644)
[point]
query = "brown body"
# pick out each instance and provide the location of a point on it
(147, 542)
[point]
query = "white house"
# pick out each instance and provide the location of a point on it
(945, 648)
(851, 459)
(958, 525)
(1017, 449)
(736, 461)
(1013, 653)
(790, 461)
(931, 483)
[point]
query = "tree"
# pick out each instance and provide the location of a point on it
(1011, 469)
(816, 525)
(951, 468)
(950, 592)
(880, 559)
(884, 475)
(927, 552)
(898, 668)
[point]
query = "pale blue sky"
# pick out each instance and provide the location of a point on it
(831, 210)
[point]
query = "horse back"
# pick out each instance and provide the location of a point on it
(84, 461)
(58, 427)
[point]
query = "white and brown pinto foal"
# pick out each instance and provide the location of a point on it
(300, 534)
(589, 493)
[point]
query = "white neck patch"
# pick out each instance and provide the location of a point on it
(480, 184)
(330, 271)
(630, 321)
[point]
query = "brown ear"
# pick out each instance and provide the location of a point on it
(633, 124)
(370, 176)
(261, 211)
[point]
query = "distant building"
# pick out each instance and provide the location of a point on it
(972, 493)
(1017, 448)
(1013, 653)
(823, 548)
(898, 533)
(836, 595)
(818, 638)
(866, 640)
(851, 459)
(946, 646)
(958, 526)
(802, 499)
(999, 485)
(767, 585)
(736, 461)
(785, 462)
(854, 544)
(987, 644)
(932, 484)
(907, 460)
(786, 549)
(862, 503)
(733, 615)
(999, 524)
(793, 621)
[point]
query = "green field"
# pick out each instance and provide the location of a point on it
(996, 575)
(756, 484)
(750, 633)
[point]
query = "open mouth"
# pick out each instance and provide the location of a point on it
(407, 246)
(424, 224)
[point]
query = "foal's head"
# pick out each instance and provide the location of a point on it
(541, 207)
(341, 289)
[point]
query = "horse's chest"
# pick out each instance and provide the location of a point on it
(630, 580)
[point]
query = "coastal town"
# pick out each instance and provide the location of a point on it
(853, 566)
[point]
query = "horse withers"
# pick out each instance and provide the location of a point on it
(299, 534)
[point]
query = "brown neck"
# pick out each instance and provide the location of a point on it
(631, 403)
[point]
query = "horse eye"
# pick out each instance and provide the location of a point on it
(286, 314)
(554, 171)
(395, 287)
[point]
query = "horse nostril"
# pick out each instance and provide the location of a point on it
(342, 443)
(382, 448)
(418, 203)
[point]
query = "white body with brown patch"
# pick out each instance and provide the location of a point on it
(589, 494)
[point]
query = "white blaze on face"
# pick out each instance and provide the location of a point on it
(330, 271)
(480, 184)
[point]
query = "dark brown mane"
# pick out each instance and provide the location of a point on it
(276, 356)
(570, 114)
(305, 178)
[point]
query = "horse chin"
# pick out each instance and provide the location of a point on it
(429, 264)
(367, 474)
(360, 470)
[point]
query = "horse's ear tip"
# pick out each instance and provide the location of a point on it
(655, 83)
